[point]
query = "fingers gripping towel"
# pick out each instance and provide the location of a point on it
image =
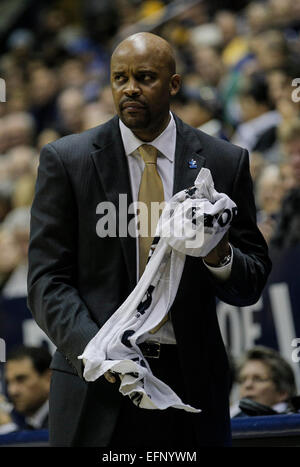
(192, 223)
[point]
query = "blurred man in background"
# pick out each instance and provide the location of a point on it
(27, 377)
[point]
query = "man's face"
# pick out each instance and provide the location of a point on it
(293, 152)
(142, 84)
(26, 388)
(256, 383)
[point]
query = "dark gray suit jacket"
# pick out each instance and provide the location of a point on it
(77, 279)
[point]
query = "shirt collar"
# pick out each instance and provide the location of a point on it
(37, 419)
(165, 142)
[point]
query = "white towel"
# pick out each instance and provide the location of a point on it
(192, 223)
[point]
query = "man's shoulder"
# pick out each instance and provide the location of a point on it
(84, 141)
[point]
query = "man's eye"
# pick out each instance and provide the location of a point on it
(119, 78)
(146, 77)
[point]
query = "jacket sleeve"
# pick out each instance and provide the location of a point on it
(251, 264)
(53, 298)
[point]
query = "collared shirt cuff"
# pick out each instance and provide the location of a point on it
(222, 273)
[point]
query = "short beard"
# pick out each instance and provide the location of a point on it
(135, 123)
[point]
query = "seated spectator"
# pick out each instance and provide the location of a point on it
(22, 161)
(257, 165)
(201, 108)
(10, 257)
(48, 135)
(43, 89)
(266, 382)
(27, 377)
(235, 45)
(269, 193)
(70, 111)
(287, 230)
(272, 50)
(289, 136)
(258, 117)
(286, 176)
(14, 239)
(6, 190)
(257, 15)
(19, 129)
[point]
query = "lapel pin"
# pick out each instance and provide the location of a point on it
(192, 164)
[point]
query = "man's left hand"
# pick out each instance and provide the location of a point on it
(216, 255)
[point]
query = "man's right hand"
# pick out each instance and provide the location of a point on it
(108, 375)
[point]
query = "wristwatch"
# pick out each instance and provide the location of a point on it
(224, 261)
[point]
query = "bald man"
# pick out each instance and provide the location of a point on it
(83, 263)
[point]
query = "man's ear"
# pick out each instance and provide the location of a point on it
(175, 84)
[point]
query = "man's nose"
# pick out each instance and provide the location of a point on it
(12, 389)
(248, 383)
(132, 88)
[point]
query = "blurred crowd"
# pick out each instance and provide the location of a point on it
(240, 63)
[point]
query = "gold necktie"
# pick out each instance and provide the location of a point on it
(151, 190)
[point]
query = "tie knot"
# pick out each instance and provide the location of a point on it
(148, 153)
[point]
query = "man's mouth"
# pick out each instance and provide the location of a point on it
(132, 106)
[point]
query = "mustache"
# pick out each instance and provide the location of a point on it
(127, 102)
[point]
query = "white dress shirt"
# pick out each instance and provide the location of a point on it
(165, 143)
(36, 420)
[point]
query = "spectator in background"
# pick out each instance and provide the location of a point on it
(9, 258)
(208, 65)
(22, 161)
(5, 197)
(271, 50)
(43, 89)
(18, 130)
(234, 44)
(70, 105)
(14, 238)
(287, 230)
(269, 192)
(257, 16)
(27, 377)
(258, 115)
(200, 107)
(289, 136)
(280, 11)
(287, 176)
(48, 135)
(266, 378)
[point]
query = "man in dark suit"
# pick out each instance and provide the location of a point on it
(79, 277)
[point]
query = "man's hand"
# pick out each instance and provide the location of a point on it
(110, 377)
(219, 252)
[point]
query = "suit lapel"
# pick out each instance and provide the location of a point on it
(112, 168)
(188, 157)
